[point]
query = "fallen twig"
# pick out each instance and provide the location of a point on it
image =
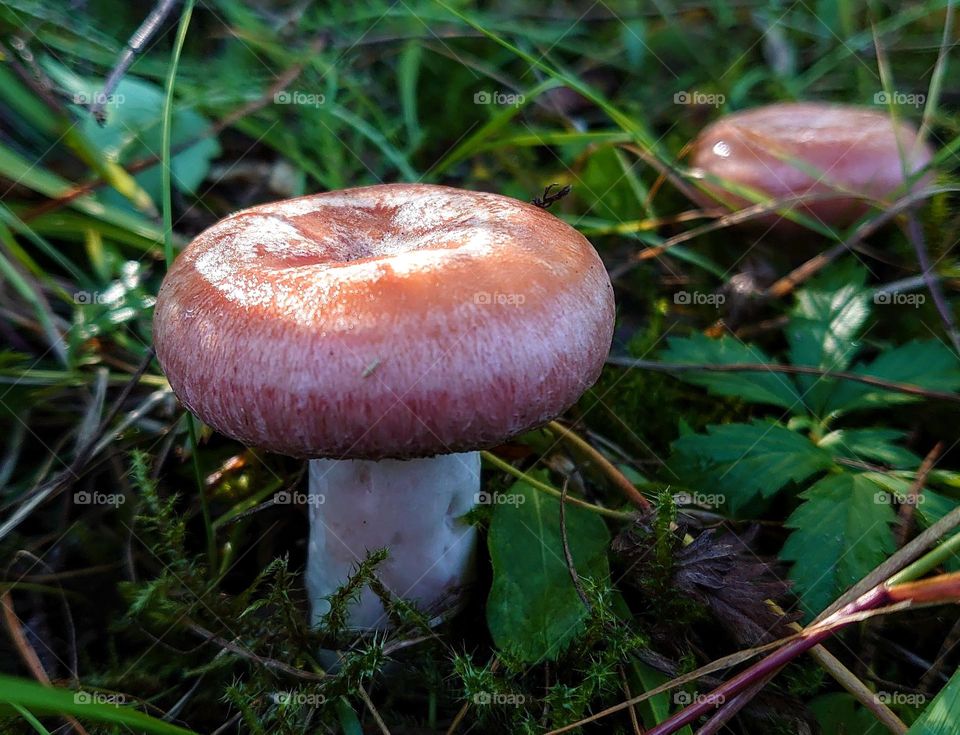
(907, 508)
(760, 367)
(134, 46)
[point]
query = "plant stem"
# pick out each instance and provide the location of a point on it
(544, 487)
(938, 589)
(608, 468)
(761, 367)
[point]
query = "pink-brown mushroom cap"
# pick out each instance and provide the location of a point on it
(839, 148)
(397, 321)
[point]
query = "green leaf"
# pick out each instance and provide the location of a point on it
(841, 714)
(871, 445)
(741, 461)
(841, 532)
(37, 698)
(942, 715)
(533, 610)
(928, 364)
(931, 507)
(134, 130)
(826, 319)
(775, 388)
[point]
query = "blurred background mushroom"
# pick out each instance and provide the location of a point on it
(829, 162)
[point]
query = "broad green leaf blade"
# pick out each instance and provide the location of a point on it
(825, 322)
(55, 700)
(942, 715)
(774, 388)
(871, 445)
(840, 714)
(656, 709)
(841, 532)
(533, 610)
(133, 130)
(928, 364)
(741, 461)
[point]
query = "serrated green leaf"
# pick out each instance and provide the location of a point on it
(825, 322)
(841, 532)
(942, 715)
(741, 461)
(774, 388)
(871, 445)
(534, 610)
(928, 364)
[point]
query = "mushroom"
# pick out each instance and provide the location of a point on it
(794, 149)
(386, 333)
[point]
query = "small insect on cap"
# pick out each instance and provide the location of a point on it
(401, 320)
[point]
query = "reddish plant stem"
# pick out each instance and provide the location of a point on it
(937, 589)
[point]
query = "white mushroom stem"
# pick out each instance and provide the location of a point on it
(414, 508)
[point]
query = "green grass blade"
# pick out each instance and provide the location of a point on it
(35, 697)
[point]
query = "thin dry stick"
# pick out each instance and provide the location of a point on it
(27, 654)
(269, 663)
(466, 705)
(373, 710)
(860, 691)
(807, 270)
(543, 487)
(907, 507)
(936, 589)
(813, 266)
(134, 46)
(848, 680)
(719, 664)
(915, 235)
(568, 557)
(900, 560)
(896, 563)
(728, 220)
(286, 77)
(82, 456)
(608, 468)
(760, 367)
(634, 720)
